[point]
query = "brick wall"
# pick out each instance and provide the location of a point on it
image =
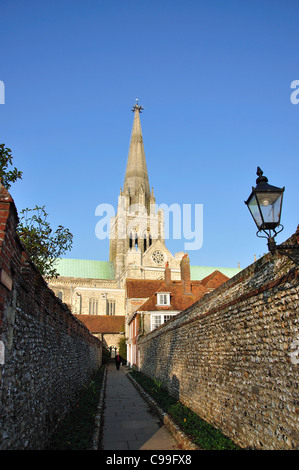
(233, 357)
(46, 354)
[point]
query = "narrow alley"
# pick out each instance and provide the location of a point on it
(128, 423)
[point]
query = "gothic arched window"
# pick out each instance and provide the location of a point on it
(131, 240)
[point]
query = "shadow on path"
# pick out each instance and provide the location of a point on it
(128, 423)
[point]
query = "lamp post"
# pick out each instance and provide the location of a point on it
(265, 204)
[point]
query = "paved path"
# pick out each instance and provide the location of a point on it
(128, 422)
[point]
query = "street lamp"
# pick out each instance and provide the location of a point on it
(265, 204)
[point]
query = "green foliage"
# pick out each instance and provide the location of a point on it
(76, 431)
(42, 244)
(155, 389)
(91, 388)
(158, 385)
(7, 177)
(200, 432)
(122, 347)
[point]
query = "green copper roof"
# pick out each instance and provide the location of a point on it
(94, 269)
(200, 272)
(85, 268)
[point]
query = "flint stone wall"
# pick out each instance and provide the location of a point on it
(233, 357)
(46, 354)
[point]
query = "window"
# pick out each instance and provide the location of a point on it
(93, 307)
(163, 299)
(158, 320)
(110, 307)
(60, 295)
(167, 317)
(133, 240)
(158, 257)
(78, 303)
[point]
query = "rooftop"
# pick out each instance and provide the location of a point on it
(84, 268)
(200, 272)
(179, 300)
(142, 288)
(94, 269)
(103, 323)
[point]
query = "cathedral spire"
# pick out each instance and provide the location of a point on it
(136, 179)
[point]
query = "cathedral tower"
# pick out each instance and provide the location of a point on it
(136, 185)
(137, 225)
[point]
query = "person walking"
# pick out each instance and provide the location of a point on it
(117, 361)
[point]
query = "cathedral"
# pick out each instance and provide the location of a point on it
(99, 292)
(137, 245)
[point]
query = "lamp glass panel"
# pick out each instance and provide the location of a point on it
(254, 210)
(270, 205)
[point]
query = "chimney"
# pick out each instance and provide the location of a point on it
(185, 274)
(167, 274)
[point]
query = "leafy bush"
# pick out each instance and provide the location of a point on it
(7, 177)
(122, 348)
(40, 242)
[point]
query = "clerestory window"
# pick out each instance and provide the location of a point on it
(93, 306)
(110, 307)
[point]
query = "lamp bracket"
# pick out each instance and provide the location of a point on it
(269, 234)
(282, 249)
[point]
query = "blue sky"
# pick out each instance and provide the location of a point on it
(214, 79)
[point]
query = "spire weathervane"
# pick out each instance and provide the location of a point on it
(136, 107)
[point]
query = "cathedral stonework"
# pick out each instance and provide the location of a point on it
(137, 245)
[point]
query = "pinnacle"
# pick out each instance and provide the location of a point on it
(136, 179)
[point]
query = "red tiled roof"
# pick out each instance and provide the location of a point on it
(103, 323)
(214, 280)
(142, 288)
(178, 299)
